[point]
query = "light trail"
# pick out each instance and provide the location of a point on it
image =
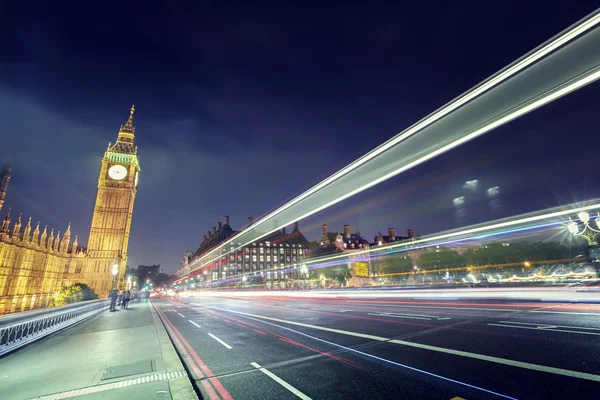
(541, 219)
(496, 101)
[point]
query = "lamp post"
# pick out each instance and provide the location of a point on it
(115, 272)
(584, 228)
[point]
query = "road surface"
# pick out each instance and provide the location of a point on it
(274, 347)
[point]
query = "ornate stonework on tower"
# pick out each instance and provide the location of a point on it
(111, 222)
(4, 184)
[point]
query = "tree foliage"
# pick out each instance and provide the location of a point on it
(394, 264)
(73, 294)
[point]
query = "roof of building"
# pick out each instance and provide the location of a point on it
(277, 237)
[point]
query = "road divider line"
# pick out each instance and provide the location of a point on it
(466, 354)
(550, 325)
(281, 382)
(352, 350)
(194, 323)
(181, 315)
(545, 328)
(219, 340)
(398, 316)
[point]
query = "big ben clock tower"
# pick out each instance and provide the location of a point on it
(109, 234)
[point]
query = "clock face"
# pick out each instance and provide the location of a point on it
(137, 176)
(117, 172)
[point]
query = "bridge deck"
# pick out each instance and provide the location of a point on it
(121, 354)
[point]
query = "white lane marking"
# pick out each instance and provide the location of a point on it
(545, 328)
(194, 323)
(497, 360)
(398, 316)
(382, 359)
(281, 382)
(181, 315)
(550, 325)
(330, 309)
(490, 309)
(415, 316)
(219, 340)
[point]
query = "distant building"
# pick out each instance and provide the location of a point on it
(391, 237)
(265, 261)
(353, 245)
(145, 272)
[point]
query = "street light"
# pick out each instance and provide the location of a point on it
(589, 232)
(115, 272)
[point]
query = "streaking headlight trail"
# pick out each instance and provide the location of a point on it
(565, 63)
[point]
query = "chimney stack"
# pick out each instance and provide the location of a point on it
(207, 233)
(249, 220)
(411, 234)
(391, 233)
(226, 220)
(347, 230)
(219, 224)
(214, 229)
(296, 227)
(324, 229)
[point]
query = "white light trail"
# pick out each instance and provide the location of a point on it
(570, 83)
(465, 233)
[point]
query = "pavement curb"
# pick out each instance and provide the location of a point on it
(181, 388)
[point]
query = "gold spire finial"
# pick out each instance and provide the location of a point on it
(128, 127)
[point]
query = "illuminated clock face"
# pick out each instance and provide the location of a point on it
(137, 176)
(117, 172)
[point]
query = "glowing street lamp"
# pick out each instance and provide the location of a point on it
(584, 227)
(115, 272)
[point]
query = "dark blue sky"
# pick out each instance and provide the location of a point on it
(241, 106)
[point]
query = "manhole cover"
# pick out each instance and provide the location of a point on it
(118, 371)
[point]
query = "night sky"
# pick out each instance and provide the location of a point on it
(239, 107)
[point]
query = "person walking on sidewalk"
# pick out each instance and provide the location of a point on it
(123, 298)
(127, 299)
(113, 300)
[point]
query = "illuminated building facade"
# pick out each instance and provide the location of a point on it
(272, 261)
(35, 264)
(111, 222)
(352, 245)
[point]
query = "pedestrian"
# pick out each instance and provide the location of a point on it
(123, 299)
(113, 300)
(127, 298)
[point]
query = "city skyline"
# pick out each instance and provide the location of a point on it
(198, 135)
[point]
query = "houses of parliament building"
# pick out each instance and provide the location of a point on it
(35, 262)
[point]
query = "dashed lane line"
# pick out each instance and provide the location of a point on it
(220, 341)
(194, 323)
(281, 382)
(466, 354)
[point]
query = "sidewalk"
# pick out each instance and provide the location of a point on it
(115, 355)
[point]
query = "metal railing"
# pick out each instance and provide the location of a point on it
(18, 330)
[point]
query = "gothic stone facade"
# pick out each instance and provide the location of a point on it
(34, 265)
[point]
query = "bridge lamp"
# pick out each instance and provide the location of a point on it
(115, 271)
(585, 228)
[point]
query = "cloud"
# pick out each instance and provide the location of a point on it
(192, 172)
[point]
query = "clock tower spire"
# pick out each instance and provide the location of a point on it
(111, 222)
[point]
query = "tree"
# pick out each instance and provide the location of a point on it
(443, 259)
(394, 264)
(72, 294)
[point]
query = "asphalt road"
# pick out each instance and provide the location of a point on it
(285, 348)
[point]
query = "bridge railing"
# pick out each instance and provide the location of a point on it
(18, 330)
